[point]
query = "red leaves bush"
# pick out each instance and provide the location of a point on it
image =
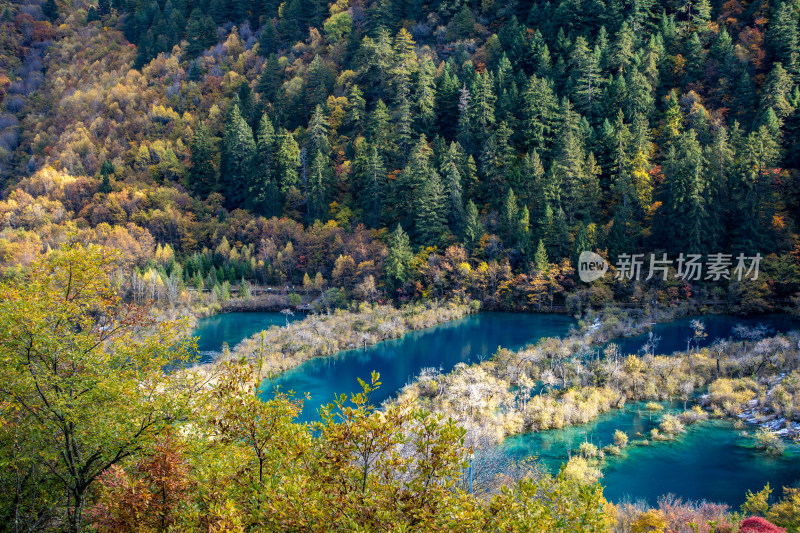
(756, 524)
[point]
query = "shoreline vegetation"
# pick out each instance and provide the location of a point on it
(174, 450)
(562, 382)
(281, 348)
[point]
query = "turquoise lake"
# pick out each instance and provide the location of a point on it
(711, 461)
(400, 360)
(674, 334)
(233, 328)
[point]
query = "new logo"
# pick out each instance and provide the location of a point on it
(591, 266)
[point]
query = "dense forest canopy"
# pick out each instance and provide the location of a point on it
(176, 151)
(521, 133)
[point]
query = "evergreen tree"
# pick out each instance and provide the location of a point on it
(683, 222)
(105, 172)
(497, 160)
(264, 194)
(782, 35)
(430, 217)
(373, 184)
(473, 229)
(446, 100)
(203, 168)
(453, 188)
(540, 261)
(398, 261)
(270, 80)
(509, 218)
(287, 160)
(776, 93)
(540, 112)
(529, 180)
(569, 162)
(318, 195)
(238, 158)
(425, 96)
(481, 106)
(582, 244)
(585, 80)
(412, 191)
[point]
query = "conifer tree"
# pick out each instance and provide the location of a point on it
(540, 112)
(373, 184)
(453, 187)
(684, 219)
(203, 169)
(318, 199)
(430, 217)
(264, 194)
(238, 156)
(540, 261)
(287, 160)
(473, 229)
(782, 35)
(398, 260)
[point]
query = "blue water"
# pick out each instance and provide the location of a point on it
(711, 461)
(233, 328)
(399, 360)
(674, 334)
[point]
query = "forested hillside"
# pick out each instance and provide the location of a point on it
(438, 147)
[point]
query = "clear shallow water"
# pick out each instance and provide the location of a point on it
(711, 461)
(399, 360)
(233, 328)
(674, 334)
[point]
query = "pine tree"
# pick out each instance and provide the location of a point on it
(356, 109)
(473, 229)
(622, 181)
(782, 36)
(425, 97)
(540, 112)
(238, 156)
(429, 211)
(582, 244)
(270, 80)
(398, 261)
(540, 261)
(448, 90)
(410, 186)
(509, 219)
(268, 42)
(105, 172)
(318, 187)
(585, 76)
(497, 160)
(482, 106)
(776, 93)
(203, 168)
(684, 220)
(528, 180)
(287, 160)
(264, 194)
(373, 184)
(318, 132)
(464, 126)
(569, 162)
(379, 131)
(453, 188)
